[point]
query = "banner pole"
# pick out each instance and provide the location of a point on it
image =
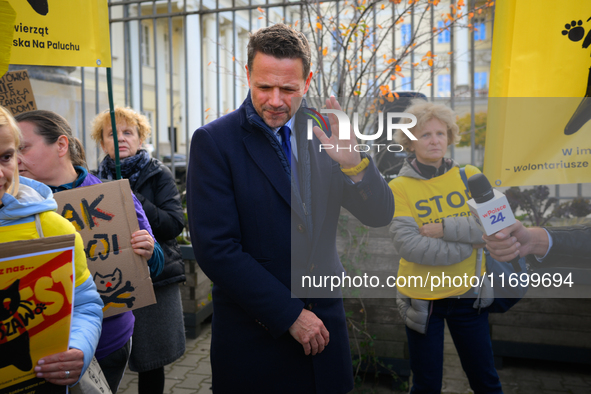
(113, 123)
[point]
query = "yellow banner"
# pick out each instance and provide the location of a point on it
(36, 286)
(539, 109)
(61, 33)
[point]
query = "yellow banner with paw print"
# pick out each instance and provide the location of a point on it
(539, 111)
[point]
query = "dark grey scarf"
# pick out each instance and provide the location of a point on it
(130, 167)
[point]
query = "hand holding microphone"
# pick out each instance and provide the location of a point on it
(490, 209)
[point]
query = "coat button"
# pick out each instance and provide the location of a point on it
(301, 228)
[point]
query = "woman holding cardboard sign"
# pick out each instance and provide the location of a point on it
(27, 212)
(436, 237)
(50, 154)
(159, 336)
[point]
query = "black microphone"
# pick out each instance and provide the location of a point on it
(490, 209)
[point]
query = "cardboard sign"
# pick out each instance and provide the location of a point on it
(61, 33)
(105, 217)
(36, 289)
(16, 92)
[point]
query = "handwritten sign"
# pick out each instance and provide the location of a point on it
(105, 217)
(36, 286)
(16, 92)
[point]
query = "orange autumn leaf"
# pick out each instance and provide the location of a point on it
(470, 15)
(260, 10)
(325, 51)
(429, 84)
(233, 58)
(430, 62)
(260, 17)
(209, 63)
(396, 94)
(449, 53)
(383, 6)
(319, 26)
(296, 23)
(208, 109)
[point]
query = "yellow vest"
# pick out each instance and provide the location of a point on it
(429, 201)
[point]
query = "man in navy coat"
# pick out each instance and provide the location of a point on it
(263, 213)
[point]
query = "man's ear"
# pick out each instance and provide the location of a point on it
(62, 145)
(247, 75)
(308, 82)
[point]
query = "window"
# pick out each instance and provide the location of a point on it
(481, 83)
(443, 85)
(479, 30)
(370, 41)
(405, 84)
(145, 46)
(337, 42)
(406, 34)
(443, 37)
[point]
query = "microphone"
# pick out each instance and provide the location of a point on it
(490, 208)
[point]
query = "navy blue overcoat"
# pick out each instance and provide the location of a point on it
(252, 235)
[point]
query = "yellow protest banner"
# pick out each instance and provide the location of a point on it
(36, 289)
(539, 106)
(7, 18)
(61, 33)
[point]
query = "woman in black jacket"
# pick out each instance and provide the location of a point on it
(159, 336)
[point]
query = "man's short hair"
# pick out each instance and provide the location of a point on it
(282, 42)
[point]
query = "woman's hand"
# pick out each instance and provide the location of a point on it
(61, 368)
(432, 230)
(142, 243)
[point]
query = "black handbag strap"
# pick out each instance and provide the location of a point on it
(465, 179)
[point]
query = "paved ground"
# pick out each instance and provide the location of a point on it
(191, 374)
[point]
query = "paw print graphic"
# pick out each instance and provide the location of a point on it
(574, 30)
(40, 308)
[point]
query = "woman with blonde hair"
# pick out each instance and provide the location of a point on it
(27, 211)
(51, 154)
(159, 336)
(435, 236)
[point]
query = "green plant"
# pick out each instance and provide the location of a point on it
(364, 358)
(465, 122)
(578, 207)
(535, 202)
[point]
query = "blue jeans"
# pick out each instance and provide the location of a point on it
(471, 336)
